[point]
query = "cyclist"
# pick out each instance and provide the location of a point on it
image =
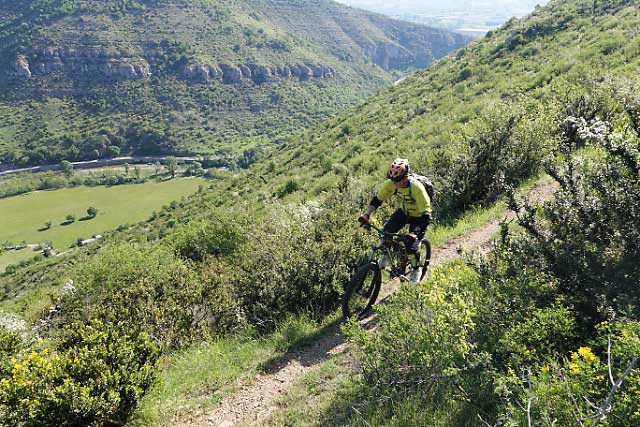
(415, 210)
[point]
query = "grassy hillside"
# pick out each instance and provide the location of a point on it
(82, 79)
(552, 90)
(513, 82)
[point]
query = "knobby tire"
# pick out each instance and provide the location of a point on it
(425, 255)
(368, 279)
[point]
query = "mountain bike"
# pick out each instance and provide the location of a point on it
(391, 253)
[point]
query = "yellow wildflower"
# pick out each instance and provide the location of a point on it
(602, 325)
(574, 356)
(600, 378)
(587, 354)
(574, 368)
(545, 369)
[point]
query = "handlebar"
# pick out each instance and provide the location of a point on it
(383, 234)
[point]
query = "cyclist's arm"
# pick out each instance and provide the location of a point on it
(384, 193)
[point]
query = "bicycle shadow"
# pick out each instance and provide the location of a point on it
(317, 347)
(309, 350)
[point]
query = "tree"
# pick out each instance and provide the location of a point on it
(70, 218)
(92, 212)
(157, 167)
(47, 225)
(113, 151)
(195, 168)
(126, 169)
(137, 172)
(171, 164)
(67, 168)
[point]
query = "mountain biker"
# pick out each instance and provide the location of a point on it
(415, 210)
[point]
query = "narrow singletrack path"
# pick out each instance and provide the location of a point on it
(256, 399)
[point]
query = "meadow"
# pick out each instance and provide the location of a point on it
(24, 217)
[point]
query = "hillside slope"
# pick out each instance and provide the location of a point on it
(514, 81)
(527, 71)
(208, 77)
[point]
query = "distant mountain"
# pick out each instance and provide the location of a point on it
(85, 79)
(527, 64)
(464, 15)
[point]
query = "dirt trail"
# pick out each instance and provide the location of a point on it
(256, 399)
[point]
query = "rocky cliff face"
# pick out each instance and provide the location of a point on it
(20, 69)
(389, 56)
(101, 64)
(234, 74)
(91, 63)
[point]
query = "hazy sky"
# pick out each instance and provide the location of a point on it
(453, 14)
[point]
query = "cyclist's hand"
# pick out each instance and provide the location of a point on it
(363, 220)
(412, 236)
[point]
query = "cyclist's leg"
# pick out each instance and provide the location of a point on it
(417, 226)
(396, 221)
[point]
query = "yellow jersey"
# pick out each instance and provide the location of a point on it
(415, 200)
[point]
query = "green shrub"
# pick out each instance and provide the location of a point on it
(289, 187)
(218, 235)
(96, 377)
(573, 389)
(547, 332)
(10, 344)
(298, 260)
(151, 287)
(504, 146)
(588, 236)
(422, 337)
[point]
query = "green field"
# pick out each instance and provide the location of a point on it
(23, 216)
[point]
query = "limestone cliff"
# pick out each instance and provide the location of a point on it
(232, 74)
(89, 63)
(102, 64)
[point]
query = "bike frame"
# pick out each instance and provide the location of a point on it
(395, 250)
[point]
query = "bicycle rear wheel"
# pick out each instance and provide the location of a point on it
(362, 291)
(425, 257)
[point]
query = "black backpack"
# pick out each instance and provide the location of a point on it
(426, 182)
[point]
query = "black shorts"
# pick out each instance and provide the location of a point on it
(417, 226)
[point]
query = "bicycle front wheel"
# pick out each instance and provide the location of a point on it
(425, 257)
(362, 291)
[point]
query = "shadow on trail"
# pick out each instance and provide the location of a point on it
(315, 348)
(309, 350)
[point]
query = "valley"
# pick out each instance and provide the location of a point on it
(41, 216)
(82, 82)
(474, 18)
